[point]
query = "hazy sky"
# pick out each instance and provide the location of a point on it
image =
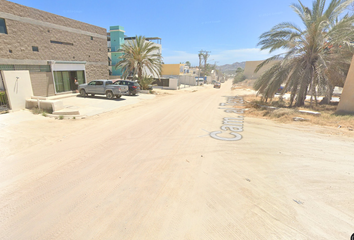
(230, 29)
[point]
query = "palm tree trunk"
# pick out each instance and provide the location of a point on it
(300, 101)
(311, 89)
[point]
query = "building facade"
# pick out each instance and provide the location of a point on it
(115, 40)
(251, 66)
(54, 49)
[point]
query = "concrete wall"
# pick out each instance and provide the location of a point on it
(19, 88)
(346, 104)
(173, 84)
(252, 65)
(187, 80)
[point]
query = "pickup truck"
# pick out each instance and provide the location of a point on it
(103, 87)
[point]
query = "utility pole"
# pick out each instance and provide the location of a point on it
(203, 56)
(200, 55)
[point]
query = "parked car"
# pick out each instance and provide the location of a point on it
(103, 87)
(217, 85)
(134, 87)
(280, 90)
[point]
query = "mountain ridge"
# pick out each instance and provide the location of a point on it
(231, 68)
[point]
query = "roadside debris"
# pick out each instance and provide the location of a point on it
(298, 202)
(300, 119)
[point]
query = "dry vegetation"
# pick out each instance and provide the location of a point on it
(280, 112)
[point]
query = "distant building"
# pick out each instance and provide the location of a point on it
(174, 69)
(251, 66)
(115, 41)
(54, 49)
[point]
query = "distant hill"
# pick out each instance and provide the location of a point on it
(231, 68)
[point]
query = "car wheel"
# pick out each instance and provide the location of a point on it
(118, 96)
(83, 93)
(109, 95)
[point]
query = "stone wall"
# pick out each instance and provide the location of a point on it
(94, 71)
(56, 37)
(21, 37)
(36, 14)
(42, 83)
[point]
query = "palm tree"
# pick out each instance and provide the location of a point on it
(140, 57)
(313, 55)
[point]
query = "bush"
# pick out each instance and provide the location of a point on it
(240, 77)
(3, 98)
(145, 83)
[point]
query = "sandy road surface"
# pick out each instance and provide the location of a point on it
(151, 171)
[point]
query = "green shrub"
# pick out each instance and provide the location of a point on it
(240, 77)
(145, 83)
(3, 98)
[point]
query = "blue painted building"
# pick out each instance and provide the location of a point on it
(115, 40)
(115, 46)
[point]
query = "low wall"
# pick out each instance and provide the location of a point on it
(346, 103)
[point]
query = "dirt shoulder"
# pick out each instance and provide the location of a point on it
(278, 111)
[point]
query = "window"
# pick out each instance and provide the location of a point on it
(59, 42)
(2, 26)
(35, 49)
(92, 83)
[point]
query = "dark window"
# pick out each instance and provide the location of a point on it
(91, 38)
(35, 49)
(2, 26)
(59, 42)
(10, 51)
(99, 83)
(92, 83)
(109, 82)
(31, 68)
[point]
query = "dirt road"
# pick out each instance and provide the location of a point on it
(152, 171)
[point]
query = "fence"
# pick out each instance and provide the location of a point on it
(186, 81)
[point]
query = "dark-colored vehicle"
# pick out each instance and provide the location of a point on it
(134, 87)
(217, 85)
